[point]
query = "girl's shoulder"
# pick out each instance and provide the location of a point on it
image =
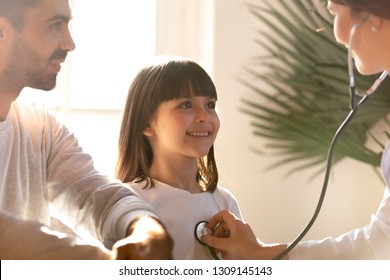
(223, 192)
(142, 186)
(136, 186)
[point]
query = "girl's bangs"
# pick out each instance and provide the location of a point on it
(183, 79)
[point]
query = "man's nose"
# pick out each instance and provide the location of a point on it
(67, 42)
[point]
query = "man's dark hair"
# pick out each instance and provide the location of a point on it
(15, 10)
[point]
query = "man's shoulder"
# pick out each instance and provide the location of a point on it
(32, 112)
(25, 109)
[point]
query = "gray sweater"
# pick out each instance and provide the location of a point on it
(44, 173)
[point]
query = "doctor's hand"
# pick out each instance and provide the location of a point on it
(147, 240)
(236, 240)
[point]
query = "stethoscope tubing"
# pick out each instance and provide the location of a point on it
(326, 178)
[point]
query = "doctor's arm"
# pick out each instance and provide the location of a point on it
(236, 240)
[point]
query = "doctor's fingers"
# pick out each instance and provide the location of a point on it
(225, 218)
(221, 244)
(221, 230)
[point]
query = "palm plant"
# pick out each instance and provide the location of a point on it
(305, 73)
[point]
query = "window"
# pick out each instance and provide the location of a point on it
(113, 40)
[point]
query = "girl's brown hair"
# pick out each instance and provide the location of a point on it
(153, 85)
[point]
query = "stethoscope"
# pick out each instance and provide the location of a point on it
(355, 105)
(200, 230)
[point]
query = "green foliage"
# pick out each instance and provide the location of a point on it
(307, 88)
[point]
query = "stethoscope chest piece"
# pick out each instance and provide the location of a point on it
(200, 230)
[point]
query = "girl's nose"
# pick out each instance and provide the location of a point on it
(202, 115)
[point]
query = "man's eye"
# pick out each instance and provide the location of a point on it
(56, 25)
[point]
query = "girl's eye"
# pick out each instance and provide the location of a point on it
(211, 105)
(186, 105)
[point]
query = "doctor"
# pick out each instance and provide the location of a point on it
(371, 45)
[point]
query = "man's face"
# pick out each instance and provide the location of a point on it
(40, 46)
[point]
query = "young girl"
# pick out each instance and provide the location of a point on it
(166, 150)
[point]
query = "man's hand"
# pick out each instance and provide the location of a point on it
(147, 240)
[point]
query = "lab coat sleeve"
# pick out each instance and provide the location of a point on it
(20, 239)
(369, 242)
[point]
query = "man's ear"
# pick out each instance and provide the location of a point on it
(5, 31)
(2, 28)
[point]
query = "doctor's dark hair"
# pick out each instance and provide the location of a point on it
(380, 8)
(154, 84)
(15, 10)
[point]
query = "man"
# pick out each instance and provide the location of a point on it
(43, 170)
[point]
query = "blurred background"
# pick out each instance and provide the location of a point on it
(115, 38)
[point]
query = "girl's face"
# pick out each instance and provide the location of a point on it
(184, 126)
(366, 60)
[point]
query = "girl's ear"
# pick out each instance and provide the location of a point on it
(148, 131)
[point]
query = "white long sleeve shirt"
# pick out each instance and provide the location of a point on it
(369, 242)
(180, 211)
(44, 172)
